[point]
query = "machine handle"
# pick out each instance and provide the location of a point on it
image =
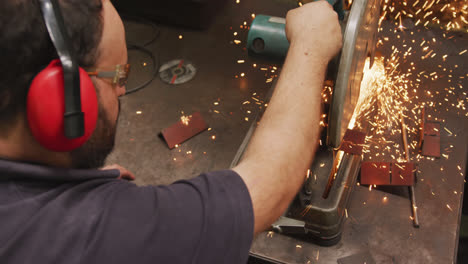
(267, 34)
(331, 2)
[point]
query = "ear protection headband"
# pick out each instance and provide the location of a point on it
(62, 107)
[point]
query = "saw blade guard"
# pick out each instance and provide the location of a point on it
(359, 41)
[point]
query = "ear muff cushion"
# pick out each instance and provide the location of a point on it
(46, 106)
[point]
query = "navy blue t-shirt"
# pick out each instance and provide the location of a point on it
(51, 215)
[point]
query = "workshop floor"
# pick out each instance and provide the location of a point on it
(229, 94)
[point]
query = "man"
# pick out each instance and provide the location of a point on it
(56, 207)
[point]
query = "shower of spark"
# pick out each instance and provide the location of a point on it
(446, 14)
(384, 96)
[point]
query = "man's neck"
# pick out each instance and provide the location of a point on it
(20, 145)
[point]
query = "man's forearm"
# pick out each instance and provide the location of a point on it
(284, 143)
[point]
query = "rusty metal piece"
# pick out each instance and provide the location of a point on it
(402, 174)
(377, 173)
(184, 129)
(429, 141)
(405, 137)
(414, 207)
(421, 128)
(432, 129)
(385, 173)
(353, 142)
(431, 146)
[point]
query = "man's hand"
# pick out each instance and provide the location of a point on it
(124, 173)
(315, 26)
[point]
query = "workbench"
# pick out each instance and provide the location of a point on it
(230, 92)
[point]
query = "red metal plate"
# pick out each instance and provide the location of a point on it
(431, 146)
(180, 131)
(377, 173)
(402, 174)
(353, 142)
(432, 129)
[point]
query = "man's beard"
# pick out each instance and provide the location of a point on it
(94, 152)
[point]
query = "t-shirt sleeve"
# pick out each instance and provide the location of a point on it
(208, 219)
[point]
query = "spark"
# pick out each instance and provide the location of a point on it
(448, 206)
(185, 119)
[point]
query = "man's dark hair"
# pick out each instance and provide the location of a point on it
(26, 47)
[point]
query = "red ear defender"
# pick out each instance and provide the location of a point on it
(46, 107)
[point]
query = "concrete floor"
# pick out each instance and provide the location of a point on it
(215, 55)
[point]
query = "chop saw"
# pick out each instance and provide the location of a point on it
(318, 212)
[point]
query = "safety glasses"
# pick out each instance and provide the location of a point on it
(119, 75)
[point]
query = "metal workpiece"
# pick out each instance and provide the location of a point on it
(414, 207)
(359, 41)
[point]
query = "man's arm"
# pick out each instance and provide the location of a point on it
(281, 150)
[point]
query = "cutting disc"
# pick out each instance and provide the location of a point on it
(359, 41)
(177, 72)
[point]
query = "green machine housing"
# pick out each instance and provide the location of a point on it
(267, 35)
